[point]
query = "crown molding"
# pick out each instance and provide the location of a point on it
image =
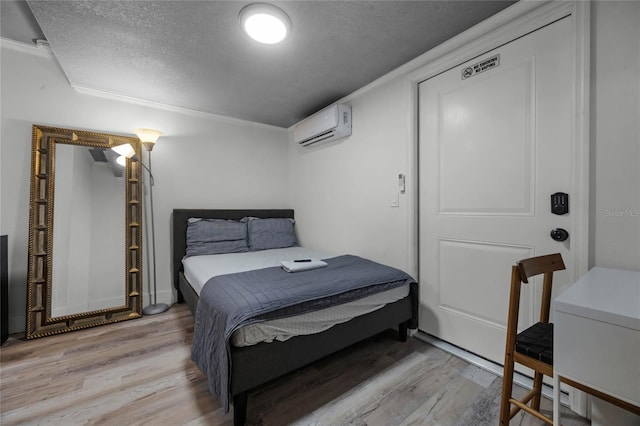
(46, 52)
(32, 49)
(498, 23)
(167, 107)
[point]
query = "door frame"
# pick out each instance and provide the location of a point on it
(513, 22)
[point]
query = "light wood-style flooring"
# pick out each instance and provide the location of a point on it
(139, 372)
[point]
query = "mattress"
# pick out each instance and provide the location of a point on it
(198, 270)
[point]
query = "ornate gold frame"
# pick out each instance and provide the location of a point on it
(39, 320)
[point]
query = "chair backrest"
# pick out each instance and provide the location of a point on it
(533, 266)
(546, 265)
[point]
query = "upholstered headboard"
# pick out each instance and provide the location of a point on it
(179, 231)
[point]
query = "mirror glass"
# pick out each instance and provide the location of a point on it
(88, 230)
(85, 245)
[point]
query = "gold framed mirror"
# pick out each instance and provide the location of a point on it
(85, 235)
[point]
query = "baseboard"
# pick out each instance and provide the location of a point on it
(162, 296)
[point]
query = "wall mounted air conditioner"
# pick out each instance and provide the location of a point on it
(329, 124)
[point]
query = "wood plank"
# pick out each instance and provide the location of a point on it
(139, 372)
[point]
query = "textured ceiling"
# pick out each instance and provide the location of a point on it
(193, 54)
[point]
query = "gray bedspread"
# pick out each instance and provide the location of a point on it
(228, 302)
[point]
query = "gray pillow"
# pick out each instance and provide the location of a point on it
(271, 233)
(215, 236)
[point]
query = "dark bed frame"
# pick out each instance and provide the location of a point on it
(252, 366)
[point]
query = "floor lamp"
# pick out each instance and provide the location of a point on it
(148, 137)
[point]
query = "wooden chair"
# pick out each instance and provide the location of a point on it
(533, 347)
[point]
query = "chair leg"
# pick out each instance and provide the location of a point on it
(537, 386)
(507, 386)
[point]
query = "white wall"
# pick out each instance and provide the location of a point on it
(342, 192)
(615, 132)
(202, 161)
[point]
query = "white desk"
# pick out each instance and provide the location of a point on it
(597, 335)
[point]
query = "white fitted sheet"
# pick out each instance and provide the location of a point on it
(199, 269)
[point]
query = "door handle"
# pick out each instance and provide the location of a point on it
(559, 234)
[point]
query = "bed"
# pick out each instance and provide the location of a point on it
(254, 365)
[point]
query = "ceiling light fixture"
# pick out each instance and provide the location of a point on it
(265, 23)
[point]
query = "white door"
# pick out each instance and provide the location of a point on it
(495, 141)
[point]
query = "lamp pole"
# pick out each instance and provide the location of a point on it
(148, 143)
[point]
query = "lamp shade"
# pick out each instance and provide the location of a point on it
(148, 137)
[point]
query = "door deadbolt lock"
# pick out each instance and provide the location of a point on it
(559, 234)
(560, 203)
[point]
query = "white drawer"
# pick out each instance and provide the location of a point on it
(599, 354)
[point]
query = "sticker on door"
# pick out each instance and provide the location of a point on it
(482, 66)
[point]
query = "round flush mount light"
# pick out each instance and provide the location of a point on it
(265, 23)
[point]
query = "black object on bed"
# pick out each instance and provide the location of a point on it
(252, 366)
